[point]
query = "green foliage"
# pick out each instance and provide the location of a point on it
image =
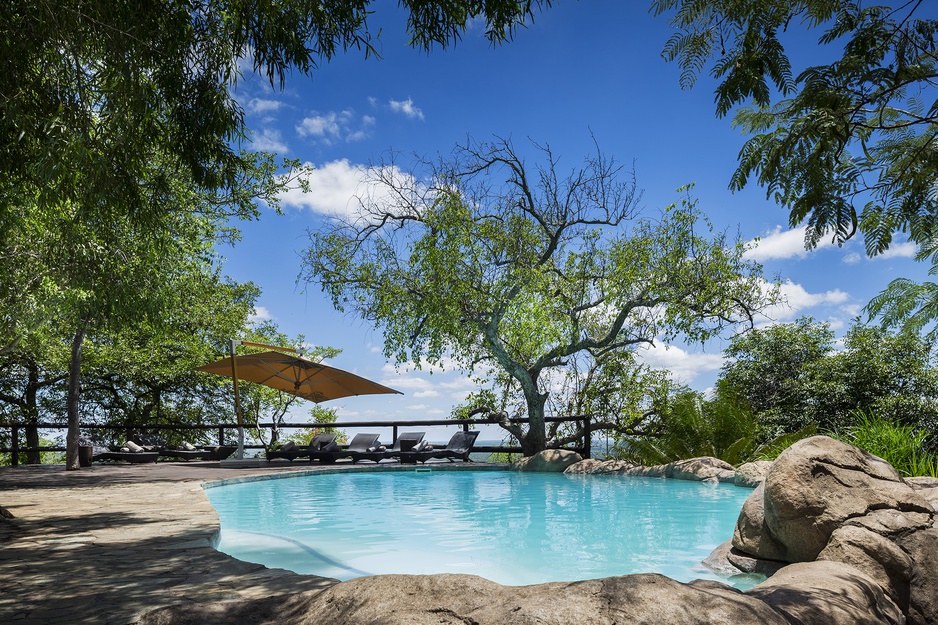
(791, 376)
(850, 147)
(903, 446)
(691, 426)
(777, 369)
(522, 276)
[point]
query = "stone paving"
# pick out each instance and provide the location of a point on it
(103, 544)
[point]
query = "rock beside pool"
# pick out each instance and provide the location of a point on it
(751, 474)
(728, 561)
(827, 503)
(592, 466)
(752, 536)
(460, 599)
(548, 461)
(825, 593)
(658, 470)
(701, 469)
(696, 469)
(818, 484)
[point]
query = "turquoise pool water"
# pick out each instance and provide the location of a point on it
(512, 528)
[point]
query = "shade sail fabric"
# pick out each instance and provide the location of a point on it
(298, 376)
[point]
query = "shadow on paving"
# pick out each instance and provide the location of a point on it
(104, 546)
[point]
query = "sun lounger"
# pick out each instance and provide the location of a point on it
(458, 448)
(152, 442)
(219, 452)
(361, 443)
(317, 444)
(405, 442)
(102, 452)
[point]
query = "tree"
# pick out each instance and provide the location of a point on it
(849, 146)
(522, 276)
(792, 376)
(891, 375)
(619, 395)
(777, 371)
(28, 374)
(118, 125)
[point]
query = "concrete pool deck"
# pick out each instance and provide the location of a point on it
(106, 543)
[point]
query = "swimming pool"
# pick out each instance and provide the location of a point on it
(512, 528)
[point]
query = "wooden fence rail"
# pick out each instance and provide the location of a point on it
(15, 428)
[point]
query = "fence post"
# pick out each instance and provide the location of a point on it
(221, 436)
(393, 435)
(587, 437)
(15, 455)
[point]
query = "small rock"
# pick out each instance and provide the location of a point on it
(751, 474)
(548, 461)
(700, 469)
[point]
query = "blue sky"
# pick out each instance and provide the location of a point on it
(580, 68)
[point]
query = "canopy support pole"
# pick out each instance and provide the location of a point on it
(237, 397)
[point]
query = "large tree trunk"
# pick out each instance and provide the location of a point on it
(32, 416)
(74, 395)
(535, 440)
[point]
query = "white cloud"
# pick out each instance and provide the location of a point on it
(335, 188)
(331, 127)
(779, 244)
(269, 140)
(260, 314)
(429, 393)
(852, 258)
(797, 299)
(899, 250)
(412, 383)
(684, 365)
(260, 106)
(407, 108)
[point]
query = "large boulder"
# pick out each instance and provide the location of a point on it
(461, 599)
(751, 535)
(827, 593)
(701, 469)
(818, 484)
(548, 461)
(751, 474)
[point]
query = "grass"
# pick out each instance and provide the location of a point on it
(902, 446)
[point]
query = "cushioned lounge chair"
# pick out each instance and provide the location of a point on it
(361, 443)
(405, 442)
(458, 448)
(219, 452)
(152, 442)
(317, 444)
(101, 452)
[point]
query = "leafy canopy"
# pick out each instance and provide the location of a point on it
(847, 146)
(499, 265)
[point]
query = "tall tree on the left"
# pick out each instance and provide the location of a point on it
(118, 130)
